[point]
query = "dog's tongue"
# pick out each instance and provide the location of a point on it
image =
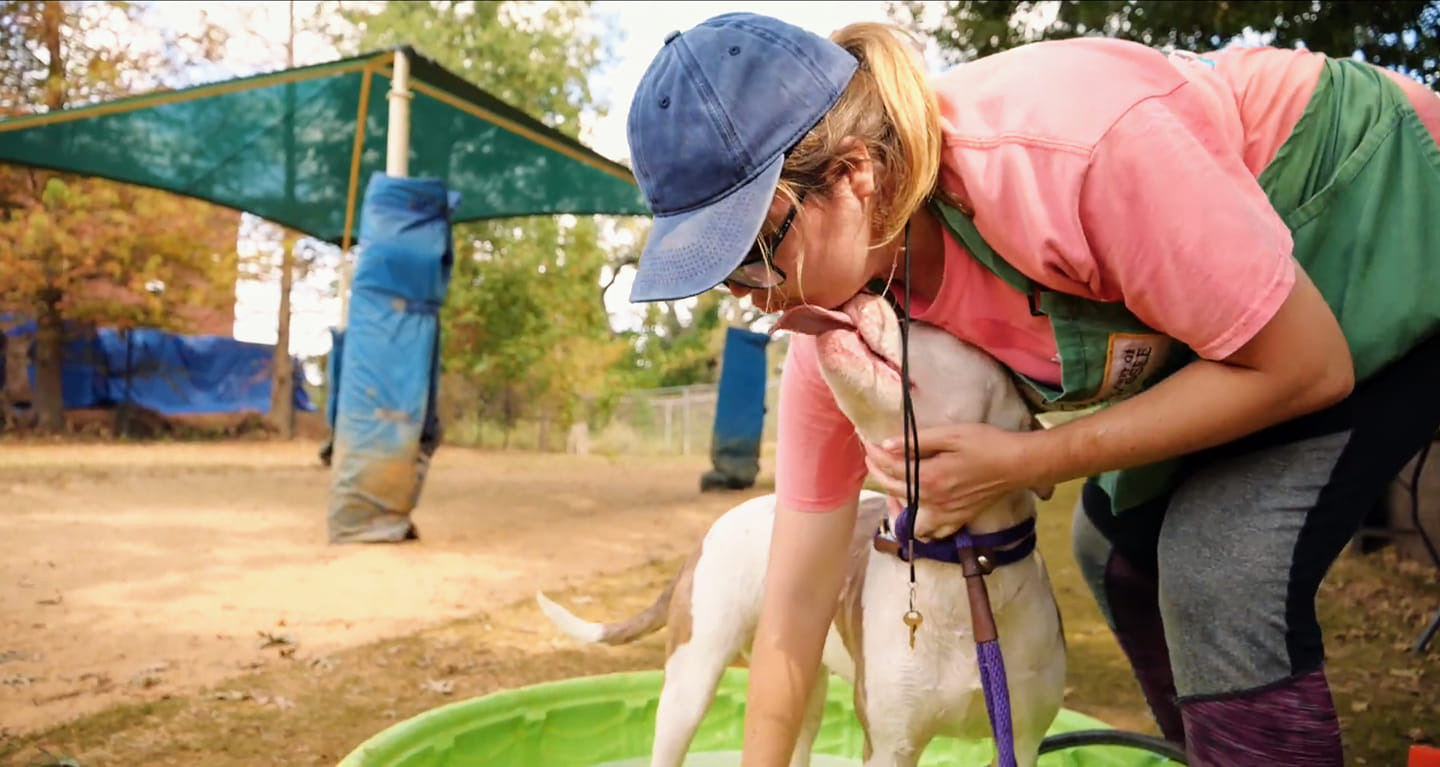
(813, 320)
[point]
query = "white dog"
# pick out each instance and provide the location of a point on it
(903, 696)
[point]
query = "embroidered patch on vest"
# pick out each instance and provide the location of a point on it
(1131, 360)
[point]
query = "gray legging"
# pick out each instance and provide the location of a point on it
(1211, 590)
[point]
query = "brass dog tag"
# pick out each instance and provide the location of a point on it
(913, 619)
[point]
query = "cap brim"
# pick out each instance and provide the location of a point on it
(692, 252)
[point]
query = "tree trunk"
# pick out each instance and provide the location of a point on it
(50, 23)
(282, 382)
(49, 399)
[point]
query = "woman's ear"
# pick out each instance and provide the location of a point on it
(857, 168)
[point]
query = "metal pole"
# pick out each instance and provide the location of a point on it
(1427, 635)
(357, 149)
(397, 144)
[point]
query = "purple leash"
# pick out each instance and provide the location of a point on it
(987, 652)
(975, 564)
(987, 645)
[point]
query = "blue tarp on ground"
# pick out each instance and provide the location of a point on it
(389, 360)
(739, 412)
(170, 374)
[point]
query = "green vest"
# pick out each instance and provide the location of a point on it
(1358, 184)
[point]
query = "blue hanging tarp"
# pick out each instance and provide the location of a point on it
(739, 412)
(389, 360)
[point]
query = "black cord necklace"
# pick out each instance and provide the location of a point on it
(912, 617)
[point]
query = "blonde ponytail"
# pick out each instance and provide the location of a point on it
(888, 105)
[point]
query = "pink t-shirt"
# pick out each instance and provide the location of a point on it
(1099, 168)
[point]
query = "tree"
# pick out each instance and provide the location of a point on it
(668, 351)
(1403, 35)
(521, 320)
(282, 373)
(86, 249)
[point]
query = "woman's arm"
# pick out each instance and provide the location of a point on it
(819, 471)
(806, 572)
(1298, 363)
(1174, 223)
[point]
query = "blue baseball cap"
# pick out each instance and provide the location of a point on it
(708, 129)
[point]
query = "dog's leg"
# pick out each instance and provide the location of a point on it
(893, 749)
(691, 675)
(722, 611)
(810, 725)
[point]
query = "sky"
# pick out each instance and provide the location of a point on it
(259, 32)
(644, 26)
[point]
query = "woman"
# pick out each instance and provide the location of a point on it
(1237, 254)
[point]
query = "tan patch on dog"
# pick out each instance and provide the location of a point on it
(682, 618)
(850, 612)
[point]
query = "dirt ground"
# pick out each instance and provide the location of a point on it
(131, 573)
(176, 604)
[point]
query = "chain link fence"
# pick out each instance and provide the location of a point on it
(675, 420)
(670, 421)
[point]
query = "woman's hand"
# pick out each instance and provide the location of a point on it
(963, 469)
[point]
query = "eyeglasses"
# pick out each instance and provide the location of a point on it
(758, 272)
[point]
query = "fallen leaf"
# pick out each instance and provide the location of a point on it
(441, 686)
(57, 761)
(268, 639)
(1359, 706)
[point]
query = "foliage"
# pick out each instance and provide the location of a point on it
(102, 56)
(668, 353)
(116, 254)
(85, 249)
(525, 320)
(1402, 35)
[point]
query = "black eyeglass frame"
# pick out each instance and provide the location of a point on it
(768, 275)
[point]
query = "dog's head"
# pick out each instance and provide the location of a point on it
(859, 354)
(858, 351)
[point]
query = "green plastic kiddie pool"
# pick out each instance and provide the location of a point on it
(607, 721)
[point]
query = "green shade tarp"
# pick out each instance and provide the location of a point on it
(293, 146)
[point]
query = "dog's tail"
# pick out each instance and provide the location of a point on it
(645, 622)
